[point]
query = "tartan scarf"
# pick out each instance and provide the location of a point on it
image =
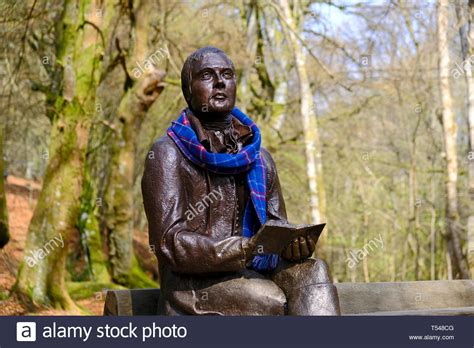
(247, 160)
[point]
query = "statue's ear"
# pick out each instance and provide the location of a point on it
(188, 101)
(188, 96)
(190, 83)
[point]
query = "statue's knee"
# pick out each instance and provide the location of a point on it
(292, 275)
(318, 270)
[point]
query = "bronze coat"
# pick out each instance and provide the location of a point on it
(195, 226)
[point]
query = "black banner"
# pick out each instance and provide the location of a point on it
(245, 332)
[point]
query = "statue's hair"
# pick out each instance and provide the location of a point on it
(186, 71)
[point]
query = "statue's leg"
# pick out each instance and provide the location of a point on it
(238, 293)
(308, 288)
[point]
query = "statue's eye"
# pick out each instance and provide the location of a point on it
(206, 75)
(228, 75)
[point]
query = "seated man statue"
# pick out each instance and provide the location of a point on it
(208, 186)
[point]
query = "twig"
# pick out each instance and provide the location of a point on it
(300, 39)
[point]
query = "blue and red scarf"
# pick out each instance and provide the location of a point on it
(248, 160)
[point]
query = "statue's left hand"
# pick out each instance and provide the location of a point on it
(299, 249)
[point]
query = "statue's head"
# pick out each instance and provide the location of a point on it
(208, 82)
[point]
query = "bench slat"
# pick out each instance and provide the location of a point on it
(463, 311)
(357, 298)
(131, 302)
(446, 297)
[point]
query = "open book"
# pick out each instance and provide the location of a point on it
(275, 235)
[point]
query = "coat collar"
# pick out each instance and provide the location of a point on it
(244, 132)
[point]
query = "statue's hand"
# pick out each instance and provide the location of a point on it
(299, 249)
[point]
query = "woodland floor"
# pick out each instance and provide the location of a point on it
(21, 200)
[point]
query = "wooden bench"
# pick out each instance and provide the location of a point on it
(439, 297)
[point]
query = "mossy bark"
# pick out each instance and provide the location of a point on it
(119, 191)
(90, 234)
(118, 197)
(41, 277)
(93, 261)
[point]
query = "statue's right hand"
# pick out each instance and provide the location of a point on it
(279, 237)
(299, 249)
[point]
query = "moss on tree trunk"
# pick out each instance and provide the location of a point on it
(119, 191)
(118, 197)
(91, 238)
(41, 277)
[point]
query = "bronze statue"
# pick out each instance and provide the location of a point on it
(207, 188)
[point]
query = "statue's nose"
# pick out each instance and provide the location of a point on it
(219, 82)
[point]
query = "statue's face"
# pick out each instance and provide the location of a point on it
(212, 86)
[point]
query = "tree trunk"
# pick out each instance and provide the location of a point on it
(119, 202)
(280, 61)
(467, 49)
(249, 22)
(92, 254)
(450, 134)
(279, 105)
(41, 277)
(119, 192)
(433, 234)
(4, 233)
(314, 166)
(470, 96)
